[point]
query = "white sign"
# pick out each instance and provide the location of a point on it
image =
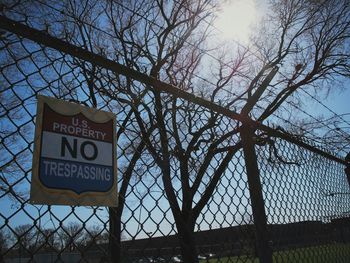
(74, 159)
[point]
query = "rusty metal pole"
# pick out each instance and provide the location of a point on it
(264, 251)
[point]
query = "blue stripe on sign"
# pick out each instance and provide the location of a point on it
(76, 176)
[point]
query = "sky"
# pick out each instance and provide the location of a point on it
(236, 18)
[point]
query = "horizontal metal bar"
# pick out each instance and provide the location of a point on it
(44, 38)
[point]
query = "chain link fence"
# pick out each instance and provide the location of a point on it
(306, 194)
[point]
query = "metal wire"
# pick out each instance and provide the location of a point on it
(306, 195)
(326, 127)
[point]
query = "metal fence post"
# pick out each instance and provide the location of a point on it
(347, 172)
(264, 251)
(347, 168)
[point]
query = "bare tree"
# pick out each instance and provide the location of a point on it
(303, 44)
(95, 235)
(24, 237)
(15, 155)
(304, 47)
(72, 236)
(159, 47)
(4, 242)
(50, 239)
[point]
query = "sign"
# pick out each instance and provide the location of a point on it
(74, 160)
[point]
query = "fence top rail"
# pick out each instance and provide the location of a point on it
(44, 38)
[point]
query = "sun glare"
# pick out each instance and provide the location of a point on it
(236, 19)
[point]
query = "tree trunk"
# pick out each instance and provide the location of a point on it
(1, 257)
(187, 243)
(115, 234)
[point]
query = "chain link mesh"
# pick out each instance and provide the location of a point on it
(307, 201)
(307, 198)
